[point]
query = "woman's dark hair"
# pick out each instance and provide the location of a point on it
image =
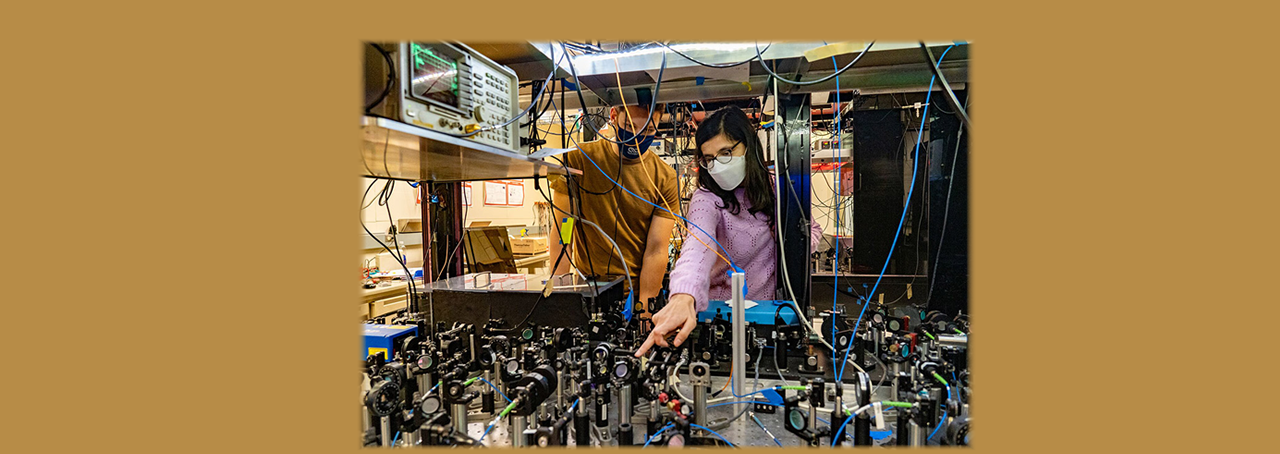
(735, 125)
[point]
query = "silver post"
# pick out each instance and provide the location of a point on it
(624, 404)
(813, 417)
(700, 404)
(386, 431)
(460, 417)
(739, 372)
(917, 434)
(424, 383)
(560, 389)
(897, 369)
(518, 425)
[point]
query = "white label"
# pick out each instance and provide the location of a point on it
(878, 415)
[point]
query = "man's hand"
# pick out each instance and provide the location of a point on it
(679, 315)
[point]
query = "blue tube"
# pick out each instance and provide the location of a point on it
(836, 438)
(495, 388)
(835, 198)
(915, 162)
(944, 418)
(642, 199)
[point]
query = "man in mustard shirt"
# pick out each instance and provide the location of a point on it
(642, 232)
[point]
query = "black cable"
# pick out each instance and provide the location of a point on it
(716, 65)
(538, 112)
(586, 124)
(465, 212)
(514, 118)
(786, 143)
(541, 296)
(653, 102)
(813, 82)
(933, 277)
(385, 202)
(590, 267)
(951, 95)
(375, 237)
(575, 200)
(584, 47)
(391, 74)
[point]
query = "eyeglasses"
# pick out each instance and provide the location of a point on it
(723, 158)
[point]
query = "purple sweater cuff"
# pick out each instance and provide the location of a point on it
(691, 287)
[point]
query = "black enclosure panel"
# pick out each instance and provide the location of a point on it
(879, 192)
(949, 276)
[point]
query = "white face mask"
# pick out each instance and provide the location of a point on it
(729, 175)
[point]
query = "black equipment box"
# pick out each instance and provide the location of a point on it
(512, 297)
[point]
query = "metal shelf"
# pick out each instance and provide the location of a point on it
(889, 67)
(391, 149)
(405, 239)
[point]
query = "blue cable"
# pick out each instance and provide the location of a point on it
(495, 388)
(838, 432)
(735, 394)
(766, 430)
(915, 163)
(944, 418)
(397, 437)
(655, 434)
(835, 199)
(758, 391)
(486, 431)
(642, 199)
(837, 435)
(726, 441)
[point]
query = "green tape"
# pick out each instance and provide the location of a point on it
(508, 409)
(797, 388)
(469, 382)
(889, 403)
(930, 335)
(939, 377)
(957, 330)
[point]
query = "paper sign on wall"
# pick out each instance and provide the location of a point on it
(466, 194)
(515, 193)
(495, 193)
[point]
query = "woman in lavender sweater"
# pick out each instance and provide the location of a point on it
(734, 202)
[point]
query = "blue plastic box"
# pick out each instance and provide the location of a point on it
(385, 339)
(760, 314)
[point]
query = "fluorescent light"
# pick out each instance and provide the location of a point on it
(686, 47)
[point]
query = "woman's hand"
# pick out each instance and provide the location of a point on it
(679, 316)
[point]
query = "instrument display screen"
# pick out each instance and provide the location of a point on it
(435, 75)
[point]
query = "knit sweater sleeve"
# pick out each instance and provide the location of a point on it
(692, 273)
